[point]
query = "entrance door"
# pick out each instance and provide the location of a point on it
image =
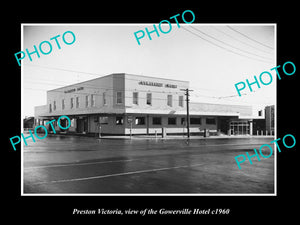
(82, 125)
(240, 127)
(63, 123)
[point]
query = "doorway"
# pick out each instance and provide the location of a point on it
(240, 127)
(82, 125)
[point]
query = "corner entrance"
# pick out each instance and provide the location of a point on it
(240, 127)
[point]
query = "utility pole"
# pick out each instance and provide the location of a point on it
(187, 94)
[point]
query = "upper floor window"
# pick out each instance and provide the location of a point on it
(135, 98)
(77, 102)
(93, 100)
(86, 101)
(72, 102)
(180, 103)
(169, 103)
(104, 98)
(119, 97)
(63, 104)
(149, 98)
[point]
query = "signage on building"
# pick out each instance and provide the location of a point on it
(170, 86)
(156, 84)
(73, 90)
(148, 83)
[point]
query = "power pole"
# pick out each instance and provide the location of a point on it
(187, 94)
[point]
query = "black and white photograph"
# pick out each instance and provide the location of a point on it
(131, 109)
(144, 111)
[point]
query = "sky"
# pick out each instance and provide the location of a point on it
(212, 57)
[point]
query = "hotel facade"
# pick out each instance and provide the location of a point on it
(123, 104)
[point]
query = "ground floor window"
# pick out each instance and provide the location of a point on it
(183, 121)
(119, 120)
(73, 122)
(211, 121)
(103, 120)
(195, 120)
(139, 120)
(172, 121)
(156, 120)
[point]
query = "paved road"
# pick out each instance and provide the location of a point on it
(86, 165)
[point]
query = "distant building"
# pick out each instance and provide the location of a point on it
(269, 115)
(265, 124)
(118, 104)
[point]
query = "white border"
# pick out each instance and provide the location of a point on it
(149, 194)
(22, 115)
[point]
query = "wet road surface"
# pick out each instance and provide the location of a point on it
(86, 165)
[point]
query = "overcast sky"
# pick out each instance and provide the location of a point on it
(212, 57)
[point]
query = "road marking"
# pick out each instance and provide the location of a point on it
(116, 174)
(78, 164)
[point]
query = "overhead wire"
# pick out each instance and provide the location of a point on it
(243, 42)
(252, 39)
(66, 70)
(102, 87)
(102, 75)
(97, 87)
(127, 90)
(216, 39)
(203, 33)
(107, 95)
(226, 49)
(140, 97)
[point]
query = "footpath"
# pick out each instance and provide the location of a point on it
(174, 137)
(159, 136)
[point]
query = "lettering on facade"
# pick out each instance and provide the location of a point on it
(171, 86)
(148, 83)
(73, 90)
(156, 84)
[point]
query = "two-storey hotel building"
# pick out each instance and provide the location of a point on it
(120, 104)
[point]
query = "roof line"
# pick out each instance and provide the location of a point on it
(112, 74)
